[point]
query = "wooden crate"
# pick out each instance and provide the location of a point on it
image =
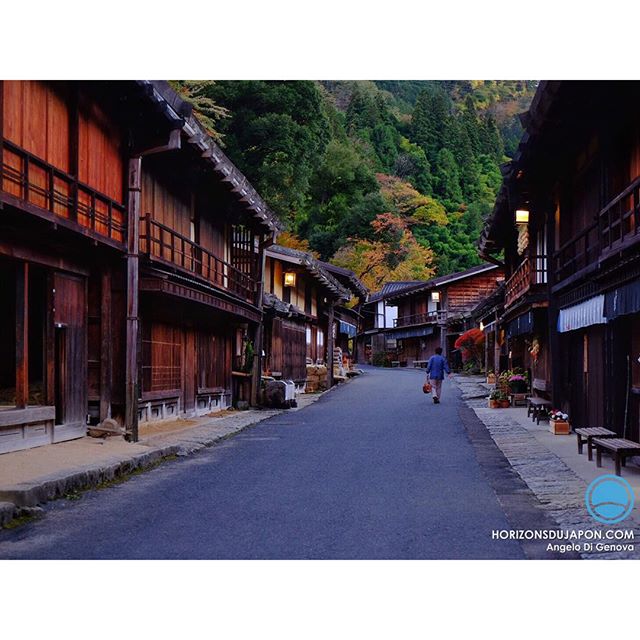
(559, 427)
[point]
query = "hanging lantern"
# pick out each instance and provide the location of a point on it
(289, 279)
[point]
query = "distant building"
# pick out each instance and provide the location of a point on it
(435, 312)
(300, 299)
(377, 316)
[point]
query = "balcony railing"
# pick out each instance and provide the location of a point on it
(532, 271)
(616, 227)
(165, 245)
(421, 318)
(52, 191)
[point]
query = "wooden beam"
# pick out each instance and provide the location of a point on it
(133, 272)
(259, 330)
(11, 249)
(330, 344)
(22, 335)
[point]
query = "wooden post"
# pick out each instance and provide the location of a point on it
(133, 235)
(105, 346)
(258, 342)
(22, 335)
(330, 344)
(496, 346)
(553, 356)
(50, 343)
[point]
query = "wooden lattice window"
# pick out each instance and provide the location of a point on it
(243, 256)
(161, 358)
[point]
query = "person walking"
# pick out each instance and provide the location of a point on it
(436, 368)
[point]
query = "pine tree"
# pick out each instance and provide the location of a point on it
(447, 179)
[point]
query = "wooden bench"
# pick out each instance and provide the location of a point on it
(537, 406)
(620, 449)
(518, 399)
(587, 434)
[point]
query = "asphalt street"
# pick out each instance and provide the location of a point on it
(372, 470)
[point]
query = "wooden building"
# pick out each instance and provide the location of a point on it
(347, 323)
(130, 261)
(299, 303)
(434, 313)
(375, 345)
(575, 180)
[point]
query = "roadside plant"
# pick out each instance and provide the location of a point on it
(471, 344)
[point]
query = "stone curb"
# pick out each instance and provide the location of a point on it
(22, 499)
(559, 490)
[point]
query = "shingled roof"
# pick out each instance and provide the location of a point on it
(313, 266)
(426, 285)
(392, 287)
(348, 278)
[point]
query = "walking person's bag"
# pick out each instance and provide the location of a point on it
(426, 387)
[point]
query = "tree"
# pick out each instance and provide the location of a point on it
(471, 344)
(197, 92)
(447, 179)
(393, 254)
(429, 122)
(276, 136)
(412, 164)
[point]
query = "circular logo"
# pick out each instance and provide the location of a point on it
(609, 499)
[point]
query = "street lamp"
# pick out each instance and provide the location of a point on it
(435, 296)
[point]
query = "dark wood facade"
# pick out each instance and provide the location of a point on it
(577, 171)
(131, 259)
(434, 313)
(300, 298)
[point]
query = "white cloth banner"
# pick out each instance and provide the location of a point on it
(581, 315)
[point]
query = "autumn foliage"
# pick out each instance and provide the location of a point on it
(471, 343)
(393, 254)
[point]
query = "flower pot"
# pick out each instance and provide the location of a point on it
(491, 378)
(518, 387)
(494, 404)
(559, 427)
(505, 404)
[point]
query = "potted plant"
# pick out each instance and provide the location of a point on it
(518, 383)
(504, 401)
(559, 423)
(494, 399)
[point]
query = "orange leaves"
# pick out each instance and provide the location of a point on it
(471, 343)
(394, 254)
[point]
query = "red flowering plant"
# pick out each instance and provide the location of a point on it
(471, 344)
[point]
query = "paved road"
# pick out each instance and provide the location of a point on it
(371, 470)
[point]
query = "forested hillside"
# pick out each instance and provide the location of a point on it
(391, 179)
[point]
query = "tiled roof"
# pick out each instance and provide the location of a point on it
(439, 281)
(314, 267)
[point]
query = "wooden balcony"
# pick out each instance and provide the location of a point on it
(615, 228)
(33, 185)
(430, 317)
(166, 246)
(531, 272)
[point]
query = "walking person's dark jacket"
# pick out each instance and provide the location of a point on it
(437, 367)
